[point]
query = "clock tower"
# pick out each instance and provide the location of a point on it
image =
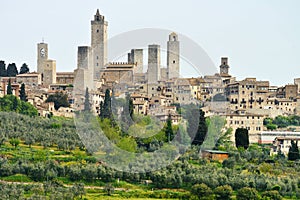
(42, 56)
(224, 67)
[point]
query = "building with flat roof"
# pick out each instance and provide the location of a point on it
(267, 137)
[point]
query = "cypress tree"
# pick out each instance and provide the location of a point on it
(107, 105)
(241, 138)
(23, 96)
(201, 131)
(293, 151)
(24, 69)
(9, 88)
(169, 130)
(101, 110)
(12, 70)
(87, 104)
(2, 69)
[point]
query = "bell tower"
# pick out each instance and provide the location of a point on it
(99, 43)
(224, 67)
(42, 56)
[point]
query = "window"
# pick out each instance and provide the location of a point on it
(97, 30)
(97, 64)
(174, 61)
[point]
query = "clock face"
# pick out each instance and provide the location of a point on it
(43, 52)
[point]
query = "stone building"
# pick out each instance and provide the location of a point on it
(288, 91)
(283, 144)
(118, 73)
(268, 137)
(14, 85)
(30, 79)
(65, 78)
(241, 119)
(173, 56)
(247, 94)
(182, 91)
(140, 103)
(297, 82)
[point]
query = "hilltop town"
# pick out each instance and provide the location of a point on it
(131, 127)
(157, 91)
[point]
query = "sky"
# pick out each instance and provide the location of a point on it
(261, 38)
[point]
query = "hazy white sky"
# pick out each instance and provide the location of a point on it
(261, 38)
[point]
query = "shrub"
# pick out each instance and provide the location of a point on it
(223, 192)
(247, 193)
(202, 191)
(271, 195)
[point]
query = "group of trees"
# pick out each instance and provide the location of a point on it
(11, 70)
(282, 122)
(245, 172)
(49, 189)
(10, 103)
(37, 130)
(60, 99)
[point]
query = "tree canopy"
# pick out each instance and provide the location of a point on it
(293, 153)
(23, 96)
(201, 131)
(2, 69)
(9, 88)
(60, 100)
(242, 138)
(12, 70)
(24, 69)
(10, 103)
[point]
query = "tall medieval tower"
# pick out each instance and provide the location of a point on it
(224, 67)
(153, 63)
(42, 57)
(46, 67)
(99, 43)
(173, 56)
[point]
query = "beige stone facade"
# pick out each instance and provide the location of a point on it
(30, 79)
(65, 78)
(253, 123)
(119, 73)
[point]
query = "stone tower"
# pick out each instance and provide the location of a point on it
(173, 56)
(42, 56)
(153, 63)
(49, 73)
(85, 71)
(99, 43)
(224, 67)
(136, 56)
(46, 67)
